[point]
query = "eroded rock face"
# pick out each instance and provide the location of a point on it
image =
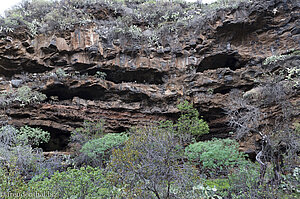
(145, 85)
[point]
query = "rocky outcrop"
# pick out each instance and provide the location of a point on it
(143, 84)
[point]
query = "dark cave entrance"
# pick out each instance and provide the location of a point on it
(59, 140)
(63, 92)
(221, 60)
(141, 76)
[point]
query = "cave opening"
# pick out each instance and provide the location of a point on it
(59, 139)
(222, 60)
(120, 129)
(227, 89)
(141, 76)
(63, 92)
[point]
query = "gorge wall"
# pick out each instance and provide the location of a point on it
(144, 84)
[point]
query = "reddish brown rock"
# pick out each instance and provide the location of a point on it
(144, 87)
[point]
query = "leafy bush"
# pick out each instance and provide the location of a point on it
(216, 157)
(100, 149)
(66, 18)
(274, 59)
(5, 99)
(8, 137)
(61, 73)
(297, 128)
(293, 75)
(244, 181)
(24, 158)
(26, 96)
(16, 153)
(290, 182)
(11, 137)
(86, 182)
(198, 191)
(41, 16)
(11, 183)
(219, 183)
(33, 136)
(189, 121)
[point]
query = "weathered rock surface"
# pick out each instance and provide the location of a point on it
(144, 85)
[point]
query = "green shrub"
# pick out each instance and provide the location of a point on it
(100, 75)
(290, 182)
(244, 181)
(24, 95)
(274, 59)
(86, 182)
(101, 148)
(198, 191)
(216, 157)
(24, 159)
(297, 128)
(16, 153)
(66, 19)
(11, 183)
(219, 184)
(5, 99)
(11, 137)
(8, 136)
(41, 16)
(27, 96)
(189, 121)
(293, 75)
(32, 136)
(61, 73)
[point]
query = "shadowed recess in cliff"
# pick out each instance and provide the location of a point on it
(64, 93)
(226, 89)
(132, 95)
(58, 139)
(96, 92)
(221, 60)
(10, 66)
(142, 76)
(215, 119)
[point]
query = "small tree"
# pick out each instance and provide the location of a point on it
(151, 165)
(269, 112)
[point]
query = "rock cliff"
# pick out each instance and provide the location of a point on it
(144, 84)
